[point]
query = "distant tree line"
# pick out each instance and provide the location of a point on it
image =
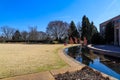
(56, 32)
(9, 34)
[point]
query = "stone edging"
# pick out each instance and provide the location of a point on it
(73, 65)
(106, 52)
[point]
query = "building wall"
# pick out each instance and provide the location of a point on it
(116, 22)
(117, 35)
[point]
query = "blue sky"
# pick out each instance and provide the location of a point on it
(21, 14)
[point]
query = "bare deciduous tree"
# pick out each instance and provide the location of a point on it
(7, 32)
(79, 26)
(42, 35)
(57, 30)
(33, 34)
(24, 35)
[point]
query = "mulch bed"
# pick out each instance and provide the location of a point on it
(86, 73)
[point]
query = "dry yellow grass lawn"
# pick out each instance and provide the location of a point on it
(19, 59)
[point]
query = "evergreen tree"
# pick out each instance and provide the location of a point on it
(109, 33)
(88, 29)
(73, 33)
(97, 39)
(93, 31)
(17, 35)
(85, 28)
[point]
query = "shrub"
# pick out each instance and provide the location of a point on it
(97, 39)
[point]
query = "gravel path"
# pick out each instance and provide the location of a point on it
(85, 73)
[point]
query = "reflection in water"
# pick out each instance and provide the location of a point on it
(103, 63)
(86, 60)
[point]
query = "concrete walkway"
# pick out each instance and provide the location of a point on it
(106, 49)
(36, 76)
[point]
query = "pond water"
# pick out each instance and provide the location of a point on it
(106, 64)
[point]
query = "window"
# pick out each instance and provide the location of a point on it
(119, 20)
(103, 28)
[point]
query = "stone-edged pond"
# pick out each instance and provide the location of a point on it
(103, 63)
